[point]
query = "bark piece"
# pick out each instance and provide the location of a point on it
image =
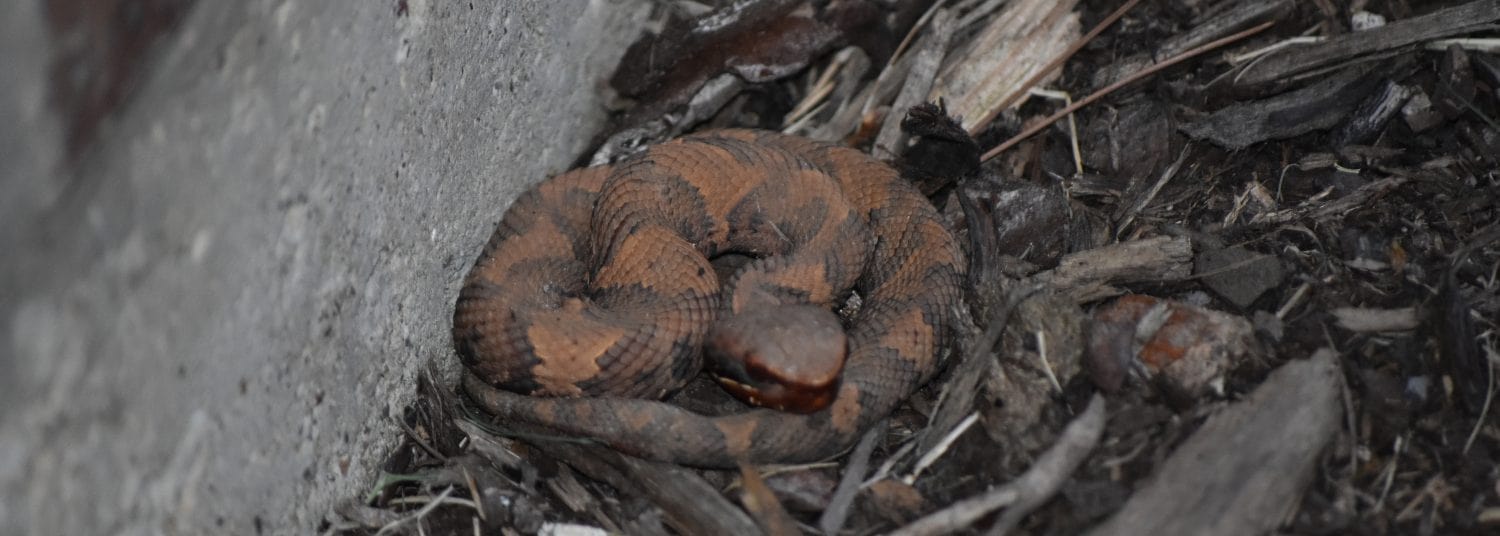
(1367, 121)
(1089, 275)
(1018, 42)
(1315, 107)
(1243, 472)
(1291, 62)
(1029, 221)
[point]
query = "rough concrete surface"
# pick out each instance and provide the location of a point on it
(209, 322)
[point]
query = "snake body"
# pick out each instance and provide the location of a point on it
(595, 293)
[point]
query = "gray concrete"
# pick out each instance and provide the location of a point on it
(208, 324)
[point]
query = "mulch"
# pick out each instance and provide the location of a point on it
(1235, 270)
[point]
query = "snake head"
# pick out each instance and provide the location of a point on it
(784, 357)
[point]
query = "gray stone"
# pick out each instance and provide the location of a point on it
(210, 322)
(1238, 274)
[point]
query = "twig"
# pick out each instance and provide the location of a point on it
(769, 471)
(843, 497)
(1489, 397)
(1237, 59)
(1388, 476)
(1041, 354)
(1033, 487)
(412, 433)
(428, 499)
(1464, 18)
(889, 464)
(1166, 176)
(1477, 44)
(1067, 99)
(474, 492)
(1293, 301)
(1153, 69)
(820, 89)
(978, 362)
(911, 34)
(941, 448)
(431, 505)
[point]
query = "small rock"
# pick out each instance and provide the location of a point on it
(1238, 274)
(1419, 113)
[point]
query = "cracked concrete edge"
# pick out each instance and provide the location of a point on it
(218, 314)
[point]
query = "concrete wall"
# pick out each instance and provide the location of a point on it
(209, 323)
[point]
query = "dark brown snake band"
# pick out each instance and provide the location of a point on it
(595, 296)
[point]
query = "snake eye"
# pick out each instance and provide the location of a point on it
(785, 357)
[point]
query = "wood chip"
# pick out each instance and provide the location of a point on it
(1020, 40)
(1088, 275)
(1363, 319)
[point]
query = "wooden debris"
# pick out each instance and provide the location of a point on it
(1234, 17)
(1330, 209)
(1019, 41)
(854, 473)
(928, 57)
(1377, 320)
(1457, 338)
(1146, 72)
(896, 501)
(1029, 222)
(1041, 352)
(1091, 275)
(1291, 64)
(1316, 107)
(1370, 118)
(803, 488)
(1139, 195)
(1242, 471)
(566, 486)
(961, 393)
(690, 505)
(1311, 210)
(499, 450)
(756, 41)
(1027, 492)
(829, 99)
(845, 126)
